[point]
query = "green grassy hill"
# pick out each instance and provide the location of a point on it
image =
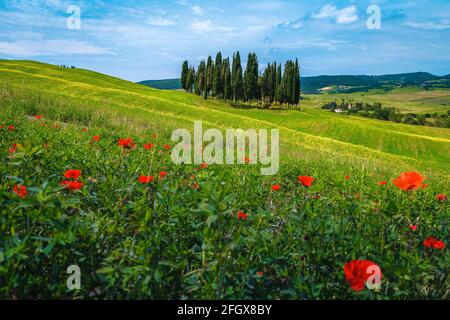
(81, 95)
(139, 226)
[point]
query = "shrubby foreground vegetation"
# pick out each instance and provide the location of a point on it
(80, 187)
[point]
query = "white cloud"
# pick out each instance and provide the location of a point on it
(295, 25)
(160, 22)
(31, 48)
(443, 25)
(197, 10)
(344, 16)
(208, 26)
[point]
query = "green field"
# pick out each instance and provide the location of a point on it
(179, 236)
(309, 133)
(412, 99)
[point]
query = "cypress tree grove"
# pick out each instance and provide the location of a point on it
(225, 79)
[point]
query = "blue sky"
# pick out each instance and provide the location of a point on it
(141, 39)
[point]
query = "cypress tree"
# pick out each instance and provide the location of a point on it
(297, 83)
(184, 73)
(201, 79)
(278, 89)
(209, 76)
(238, 86)
(228, 89)
(190, 79)
(266, 85)
(217, 77)
(251, 78)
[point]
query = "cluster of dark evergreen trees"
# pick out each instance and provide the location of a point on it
(225, 80)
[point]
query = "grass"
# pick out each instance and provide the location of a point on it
(179, 237)
(309, 134)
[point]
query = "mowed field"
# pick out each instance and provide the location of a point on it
(311, 133)
(86, 181)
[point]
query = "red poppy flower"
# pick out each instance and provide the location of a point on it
(162, 174)
(356, 273)
(347, 177)
(72, 185)
(38, 117)
(148, 146)
(247, 160)
(424, 186)
(382, 183)
(204, 165)
(167, 147)
(126, 143)
(146, 179)
(432, 242)
(84, 129)
(276, 187)
(413, 227)
(260, 273)
(441, 197)
(409, 181)
(96, 139)
(242, 216)
(11, 128)
(13, 149)
(20, 190)
(72, 174)
(306, 181)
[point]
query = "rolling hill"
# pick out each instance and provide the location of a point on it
(311, 133)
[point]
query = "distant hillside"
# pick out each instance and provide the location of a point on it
(344, 83)
(165, 84)
(358, 83)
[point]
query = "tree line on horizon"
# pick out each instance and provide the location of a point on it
(228, 81)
